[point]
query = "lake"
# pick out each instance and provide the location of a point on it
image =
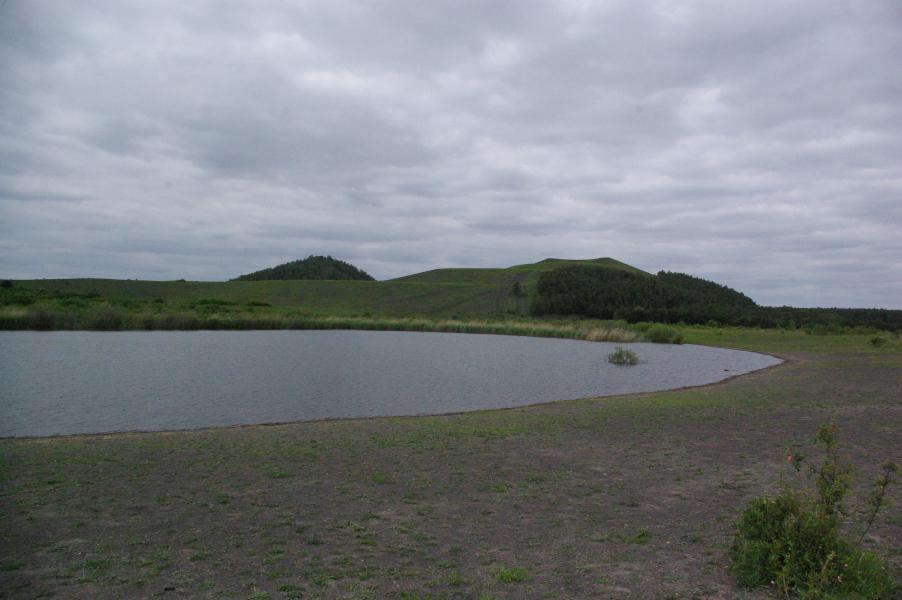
(92, 382)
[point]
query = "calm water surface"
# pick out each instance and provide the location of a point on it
(87, 382)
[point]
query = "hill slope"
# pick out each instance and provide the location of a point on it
(319, 268)
(527, 274)
(591, 288)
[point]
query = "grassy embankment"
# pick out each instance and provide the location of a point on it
(451, 300)
(632, 496)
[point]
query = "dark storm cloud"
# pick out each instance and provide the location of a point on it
(755, 144)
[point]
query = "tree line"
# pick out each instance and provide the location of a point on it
(602, 293)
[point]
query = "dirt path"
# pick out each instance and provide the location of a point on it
(629, 497)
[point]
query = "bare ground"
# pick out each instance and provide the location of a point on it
(627, 497)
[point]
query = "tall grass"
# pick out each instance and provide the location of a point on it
(663, 334)
(223, 316)
(614, 334)
(113, 318)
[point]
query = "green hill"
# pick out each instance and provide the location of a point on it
(318, 268)
(440, 293)
(527, 274)
(597, 288)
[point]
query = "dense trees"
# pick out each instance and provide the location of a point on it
(608, 293)
(312, 267)
(675, 297)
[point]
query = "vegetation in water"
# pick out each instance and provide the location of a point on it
(623, 357)
(795, 543)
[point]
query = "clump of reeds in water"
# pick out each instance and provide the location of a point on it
(623, 357)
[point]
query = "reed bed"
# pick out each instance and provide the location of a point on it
(110, 318)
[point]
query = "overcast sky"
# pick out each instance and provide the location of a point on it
(758, 144)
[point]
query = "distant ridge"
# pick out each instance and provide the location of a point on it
(599, 288)
(312, 267)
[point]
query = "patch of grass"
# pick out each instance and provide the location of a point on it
(89, 570)
(643, 536)
(291, 591)
(498, 488)
(11, 565)
(663, 334)
(623, 357)
(878, 341)
(511, 575)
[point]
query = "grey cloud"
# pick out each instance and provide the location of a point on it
(756, 144)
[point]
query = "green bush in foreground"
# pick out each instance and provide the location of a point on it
(793, 543)
(623, 357)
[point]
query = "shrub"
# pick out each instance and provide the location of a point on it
(177, 321)
(105, 318)
(41, 319)
(663, 334)
(147, 321)
(793, 542)
(623, 357)
(878, 341)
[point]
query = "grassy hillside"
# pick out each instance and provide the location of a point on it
(527, 274)
(441, 293)
(341, 298)
(626, 293)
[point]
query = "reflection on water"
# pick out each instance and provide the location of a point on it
(88, 382)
